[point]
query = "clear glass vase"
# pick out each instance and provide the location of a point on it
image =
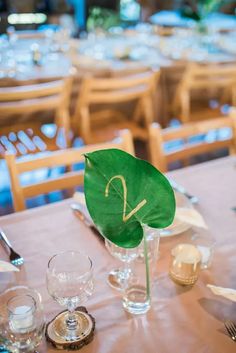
(137, 291)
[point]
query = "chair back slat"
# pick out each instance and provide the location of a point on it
(188, 140)
(191, 129)
(30, 105)
(31, 91)
(104, 84)
(66, 181)
(190, 150)
(200, 75)
(116, 96)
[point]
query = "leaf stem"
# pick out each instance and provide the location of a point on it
(145, 245)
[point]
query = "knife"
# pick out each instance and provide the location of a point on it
(179, 188)
(80, 214)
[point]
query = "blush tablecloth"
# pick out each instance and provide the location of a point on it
(181, 320)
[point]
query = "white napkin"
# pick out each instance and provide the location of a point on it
(224, 292)
(7, 267)
(79, 198)
(190, 216)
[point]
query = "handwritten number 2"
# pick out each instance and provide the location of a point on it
(126, 217)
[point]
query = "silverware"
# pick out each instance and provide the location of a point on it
(15, 258)
(231, 329)
(179, 188)
(80, 214)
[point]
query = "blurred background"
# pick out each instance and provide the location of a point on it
(80, 10)
(186, 47)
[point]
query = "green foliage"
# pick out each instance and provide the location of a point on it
(123, 193)
(200, 9)
(102, 18)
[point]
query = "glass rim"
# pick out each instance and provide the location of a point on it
(31, 308)
(70, 252)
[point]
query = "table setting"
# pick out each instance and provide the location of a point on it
(33, 58)
(173, 262)
(116, 52)
(110, 50)
(184, 45)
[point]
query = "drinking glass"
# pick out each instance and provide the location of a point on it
(21, 319)
(138, 289)
(118, 277)
(70, 282)
(185, 264)
(205, 244)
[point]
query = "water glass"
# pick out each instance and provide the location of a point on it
(137, 292)
(205, 244)
(21, 309)
(21, 319)
(70, 283)
(118, 277)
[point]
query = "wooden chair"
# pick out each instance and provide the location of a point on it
(205, 79)
(139, 88)
(67, 157)
(21, 136)
(234, 94)
(189, 141)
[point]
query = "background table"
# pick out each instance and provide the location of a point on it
(181, 319)
(127, 52)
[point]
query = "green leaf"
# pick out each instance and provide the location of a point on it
(123, 192)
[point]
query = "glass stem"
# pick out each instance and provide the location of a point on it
(126, 273)
(126, 269)
(71, 321)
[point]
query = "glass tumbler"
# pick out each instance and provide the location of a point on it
(21, 319)
(137, 291)
(185, 264)
(205, 244)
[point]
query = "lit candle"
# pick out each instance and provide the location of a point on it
(21, 313)
(185, 264)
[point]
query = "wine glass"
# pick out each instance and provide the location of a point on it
(70, 282)
(120, 277)
(117, 278)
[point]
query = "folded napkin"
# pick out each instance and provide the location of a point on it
(190, 216)
(7, 267)
(224, 292)
(79, 198)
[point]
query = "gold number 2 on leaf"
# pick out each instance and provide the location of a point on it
(136, 209)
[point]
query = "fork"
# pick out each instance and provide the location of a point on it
(15, 258)
(231, 329)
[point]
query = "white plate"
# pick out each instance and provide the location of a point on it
(177, 227)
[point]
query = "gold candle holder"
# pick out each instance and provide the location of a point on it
(185, 264)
